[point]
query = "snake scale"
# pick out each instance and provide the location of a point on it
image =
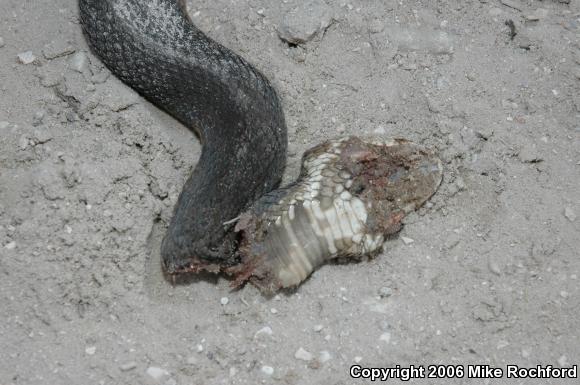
(231, 216)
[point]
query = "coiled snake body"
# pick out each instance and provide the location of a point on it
(351, 192)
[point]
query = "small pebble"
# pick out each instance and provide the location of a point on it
(156, 373)
(23, 142)
(4, 125)
(1, 42)
(303, 355)
(386, 337)
(199, 348)
(90, 350)
(302, 25)
(128, 366)
(385, 292)
(564, 294)
(380, 130)
(570, 214)
(224, 300)
(324, 356)
(274, 311)
(10, 245)
(407, 241)
(26, 57)
(525, 353)
(358, 359)
(265, 330)
(79, 62)
(318, 328)
(267, 370)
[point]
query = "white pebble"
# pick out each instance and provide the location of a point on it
(267, 370)
(385, 292)
(265, 330)
(10, 245)
(224, 300)
(318, 328)
(156, 373)
(199, 348)
(274, 311)
(303, 355)
(386, 337)
(128, 366)
(324, 356)
(358, 359)
(1, 42)
(26, 57)
(407, 241)
(90, 350)
(79, 62)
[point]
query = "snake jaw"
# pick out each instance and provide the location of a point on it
(351, 194)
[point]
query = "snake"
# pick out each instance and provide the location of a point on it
(232, 216)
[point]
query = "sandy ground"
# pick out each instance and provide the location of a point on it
(487, 272)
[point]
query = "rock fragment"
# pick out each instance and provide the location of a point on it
(528, 154)
(156, 373)
(2, 42)
(570, 214)
(26, 57)
(303, 355)
(385, 292)
(267, 370)
(79, 62)
(302, 23)
(128, 366)
(324, 356)
(385, 337)
(267, 330)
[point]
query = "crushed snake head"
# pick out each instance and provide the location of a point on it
(351, 194)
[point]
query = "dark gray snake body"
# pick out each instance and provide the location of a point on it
(351, 193)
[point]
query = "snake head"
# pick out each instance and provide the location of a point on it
(350, 195)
